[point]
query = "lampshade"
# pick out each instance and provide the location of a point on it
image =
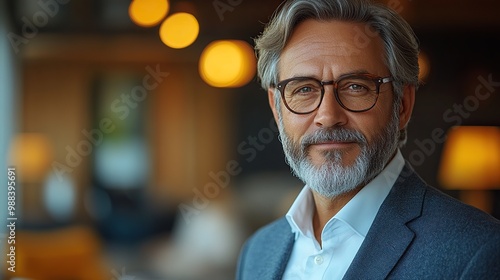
(471, 158)
(31, 154)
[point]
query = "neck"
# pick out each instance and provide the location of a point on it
(326, 208)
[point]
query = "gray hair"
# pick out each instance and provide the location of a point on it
(400, 42)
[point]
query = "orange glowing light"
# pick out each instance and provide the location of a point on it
(179, 30)
(147, 13)
(227, 63)
(471, 158)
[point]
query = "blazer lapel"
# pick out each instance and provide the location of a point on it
(389, 236)
(272, 258)
(283, 246)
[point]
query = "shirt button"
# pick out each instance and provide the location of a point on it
(318, 260)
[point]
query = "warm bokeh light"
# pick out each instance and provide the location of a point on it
(227, 63)
(179, 30)
(147, 13)
(471, 158)
(424, 65)
(32, 154)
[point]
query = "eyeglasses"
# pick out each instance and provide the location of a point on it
(354, 92)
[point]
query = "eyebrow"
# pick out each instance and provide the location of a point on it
(355, 72)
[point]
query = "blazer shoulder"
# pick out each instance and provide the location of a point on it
(457, 215)
(434, 207)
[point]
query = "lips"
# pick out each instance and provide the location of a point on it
(333, 144)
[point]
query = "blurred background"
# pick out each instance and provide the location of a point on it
(143, 145)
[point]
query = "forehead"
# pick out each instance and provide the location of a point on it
(327, 49)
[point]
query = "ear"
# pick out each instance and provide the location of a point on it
(406, 107)
(270, 96)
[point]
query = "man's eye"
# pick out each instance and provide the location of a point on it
(304, 90)
(357, 87)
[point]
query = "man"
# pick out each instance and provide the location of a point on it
(341, 76)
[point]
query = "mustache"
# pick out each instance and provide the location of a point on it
(338, 134)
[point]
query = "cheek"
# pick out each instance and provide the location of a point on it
(383, 111)
(371, 123)
(295, 125)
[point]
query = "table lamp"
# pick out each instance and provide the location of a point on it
(470, 163)
(31, 154)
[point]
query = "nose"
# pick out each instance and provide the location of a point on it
(330, 113)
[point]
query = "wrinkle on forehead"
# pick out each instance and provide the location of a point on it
(318, 44)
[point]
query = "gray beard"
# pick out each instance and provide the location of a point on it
(332, 179)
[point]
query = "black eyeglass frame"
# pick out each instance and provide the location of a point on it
(378, 81)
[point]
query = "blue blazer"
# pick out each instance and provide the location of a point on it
(418, 233)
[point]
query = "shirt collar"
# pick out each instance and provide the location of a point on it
(358, 213)
(300, 214)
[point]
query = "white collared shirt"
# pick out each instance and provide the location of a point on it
(342, 235)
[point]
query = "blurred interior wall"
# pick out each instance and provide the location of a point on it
(55, 104)
(186, 119)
